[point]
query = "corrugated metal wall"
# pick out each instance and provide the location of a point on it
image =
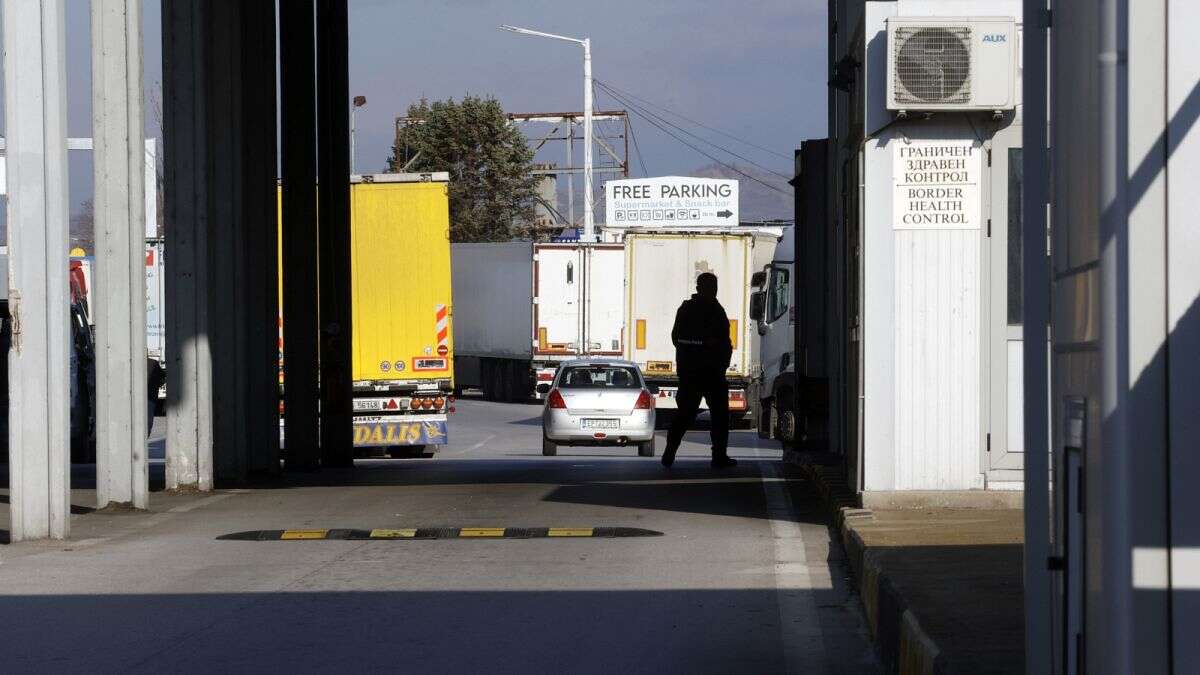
(937, 360)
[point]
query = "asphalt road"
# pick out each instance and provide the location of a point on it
(742, 578)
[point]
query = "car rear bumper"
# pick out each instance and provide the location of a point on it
(567, 427)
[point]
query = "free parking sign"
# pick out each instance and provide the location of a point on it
(671, 201)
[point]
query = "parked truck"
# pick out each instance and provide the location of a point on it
(522, 308)
(661, 269)
(402, 337)
(796, 320)
(773, 309)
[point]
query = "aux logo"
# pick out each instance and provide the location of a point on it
(995, 37)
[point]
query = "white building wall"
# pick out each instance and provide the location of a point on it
(923, 386)
(924, 373)
(938, 388)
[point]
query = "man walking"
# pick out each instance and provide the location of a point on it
(702, 353)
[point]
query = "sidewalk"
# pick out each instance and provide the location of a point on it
(941, 588)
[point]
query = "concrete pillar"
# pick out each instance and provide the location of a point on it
(299, 175)
(227, 310)
(218, 70)
(186, 198)
(119, 302)
(35, 88)
(333, 133)
(261, 232)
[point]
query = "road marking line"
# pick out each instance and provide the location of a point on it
(481, 532)
(800, 631)
(569, 532)
(393, 534)
(480, 444)
(303, 534)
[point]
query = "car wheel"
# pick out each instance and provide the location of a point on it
(646, 449)
(549, 447)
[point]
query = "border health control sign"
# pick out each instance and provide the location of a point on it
(937, 185)
(671, 201)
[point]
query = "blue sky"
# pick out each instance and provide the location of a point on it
(754, 68)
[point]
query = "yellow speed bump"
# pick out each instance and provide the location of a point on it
(569, 532)
(481, 532)
(303, 534)
(394, 534)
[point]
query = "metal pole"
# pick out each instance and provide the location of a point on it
(333, 217)
(1039, 650)
(353, 124)
(298, 162)
(570, 173)
(589, 227)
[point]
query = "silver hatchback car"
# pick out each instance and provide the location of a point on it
(598, 402)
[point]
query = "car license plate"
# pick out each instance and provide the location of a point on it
(601, 424)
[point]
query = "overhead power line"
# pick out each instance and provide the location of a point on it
(645, 112)
(699, 124)
(637, 150)
(665, 128)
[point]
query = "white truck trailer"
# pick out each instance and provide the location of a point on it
(661, 270)
(522, 308)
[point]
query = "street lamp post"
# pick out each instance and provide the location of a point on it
(359, 101)
(589, 226)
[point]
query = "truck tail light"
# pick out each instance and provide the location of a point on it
(737, 400)
(555, 400)
(645, 401)
(439, 402)
(415, 404)
(426, 403)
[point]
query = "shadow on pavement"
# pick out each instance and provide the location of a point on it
(694, 631)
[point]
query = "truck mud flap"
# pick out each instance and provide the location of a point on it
(375, 434)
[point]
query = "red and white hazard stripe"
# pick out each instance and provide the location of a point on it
(443, 327)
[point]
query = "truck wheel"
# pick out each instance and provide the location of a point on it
(785, 419)
(646, 449)
(549, 447)
(766, 418)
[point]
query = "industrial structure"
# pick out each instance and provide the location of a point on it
(564, 126)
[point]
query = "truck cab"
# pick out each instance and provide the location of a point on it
(772, 308)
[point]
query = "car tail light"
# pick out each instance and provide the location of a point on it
(645, 401)
(545, 377)
(555, 400)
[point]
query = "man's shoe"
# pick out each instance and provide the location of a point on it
(723, 462)
(668, 458)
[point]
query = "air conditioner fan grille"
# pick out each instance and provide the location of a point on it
(933, 64)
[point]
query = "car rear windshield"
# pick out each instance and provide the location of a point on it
(600, 377)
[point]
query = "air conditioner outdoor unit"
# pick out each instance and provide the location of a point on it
(949, 63)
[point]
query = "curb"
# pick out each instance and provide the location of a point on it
(902, 644)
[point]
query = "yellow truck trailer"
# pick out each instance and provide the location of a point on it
(402, 333)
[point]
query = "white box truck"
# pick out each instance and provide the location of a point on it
(522, 308)
(661, 270)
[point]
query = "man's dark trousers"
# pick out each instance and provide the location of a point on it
(715, 391)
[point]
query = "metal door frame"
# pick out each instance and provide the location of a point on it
(1000, 463)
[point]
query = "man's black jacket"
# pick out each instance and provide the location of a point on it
(701, 338)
